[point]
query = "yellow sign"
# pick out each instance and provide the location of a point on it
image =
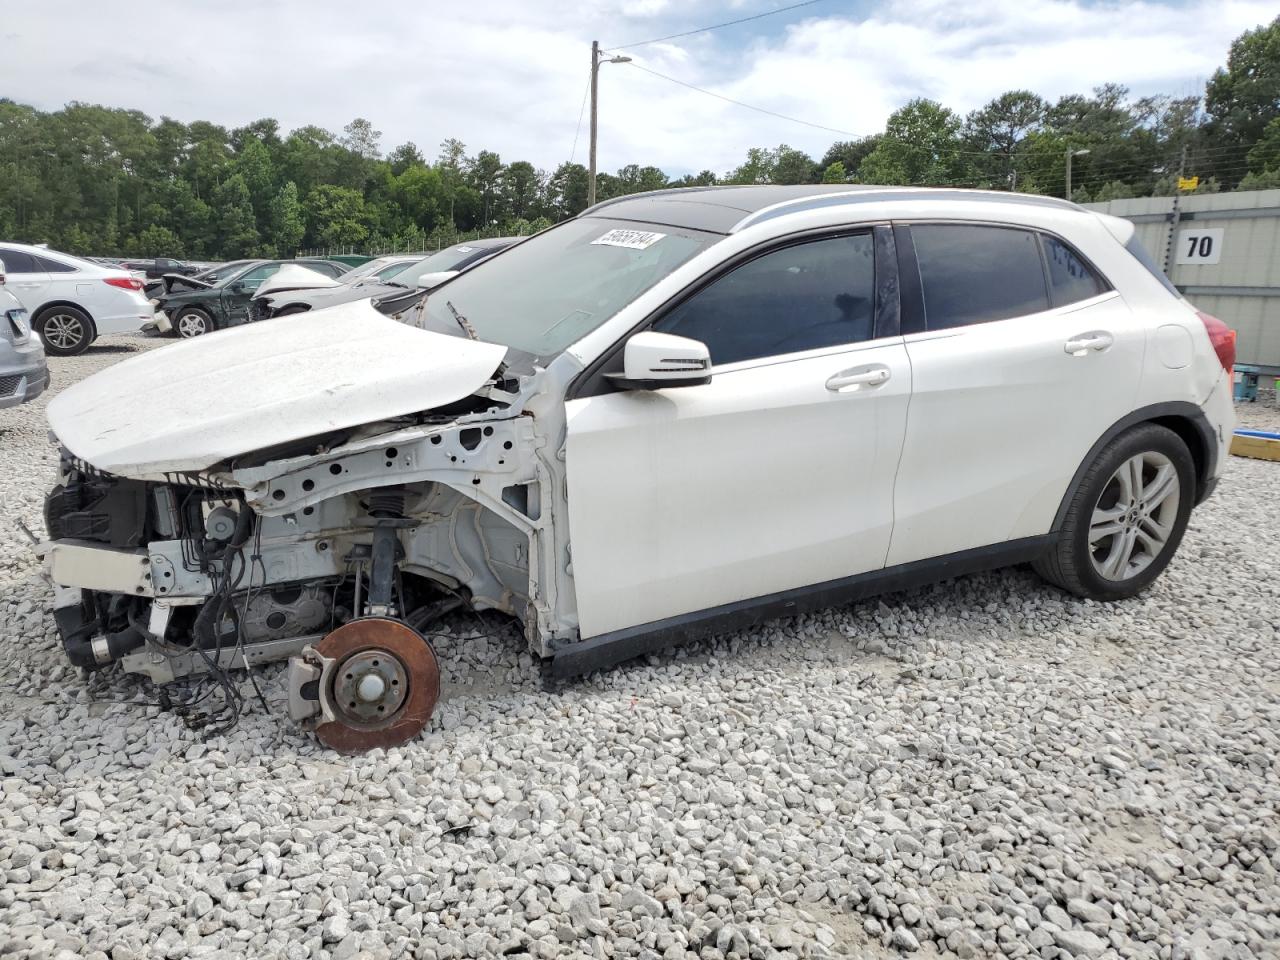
(1188, 183)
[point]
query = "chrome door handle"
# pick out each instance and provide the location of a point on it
(1082, 343)
(871, 376)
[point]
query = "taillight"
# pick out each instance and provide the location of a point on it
(124, 283)
(1223, 339)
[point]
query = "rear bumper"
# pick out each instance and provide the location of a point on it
(1220, 415)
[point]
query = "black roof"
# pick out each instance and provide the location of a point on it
(718, 209)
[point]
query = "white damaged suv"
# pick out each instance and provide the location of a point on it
(676, 413)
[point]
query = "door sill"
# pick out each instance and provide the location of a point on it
(617, 646)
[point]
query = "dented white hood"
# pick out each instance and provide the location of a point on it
(293, 276)
(190, 405)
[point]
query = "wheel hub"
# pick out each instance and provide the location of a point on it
(369, 685)
(378, 687)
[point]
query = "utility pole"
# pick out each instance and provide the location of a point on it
(595, 84)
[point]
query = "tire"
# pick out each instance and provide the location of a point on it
(290, 310)
(190, 322)
(1112, 544)
(66, 331)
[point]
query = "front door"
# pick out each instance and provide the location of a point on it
(777, 474)
(237, 294)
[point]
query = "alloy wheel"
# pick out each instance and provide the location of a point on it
(64, 331)
(192, 325)
(1135, 516)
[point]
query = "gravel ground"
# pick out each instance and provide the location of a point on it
(980, 768)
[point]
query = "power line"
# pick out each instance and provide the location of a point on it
(578, 129)
(739, 103)
(717, 26)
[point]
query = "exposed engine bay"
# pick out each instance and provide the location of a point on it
(320, 551)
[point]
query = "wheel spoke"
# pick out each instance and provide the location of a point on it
(1121, 551)
(1162, 485)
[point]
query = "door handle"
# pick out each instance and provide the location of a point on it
(846, 380)
(1082, 343)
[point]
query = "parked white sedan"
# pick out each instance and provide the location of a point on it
(72, 301)
(677, 413)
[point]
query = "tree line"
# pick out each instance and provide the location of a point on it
(92, 179)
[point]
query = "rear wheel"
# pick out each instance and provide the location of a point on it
(1126, 519)
(66, 331)
(191, 322)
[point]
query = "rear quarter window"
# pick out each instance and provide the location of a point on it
(1070, 277)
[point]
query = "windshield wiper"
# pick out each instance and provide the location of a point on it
(392, 283)
(462, 321)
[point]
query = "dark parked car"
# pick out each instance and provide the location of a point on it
(427, 272)
(157, 268)
(224, 301)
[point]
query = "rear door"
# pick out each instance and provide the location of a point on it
(1022, 356)
(777, 474)
(25, 278)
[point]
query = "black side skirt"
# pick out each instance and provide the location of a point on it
(612, 648)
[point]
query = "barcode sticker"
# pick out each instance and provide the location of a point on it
(631, 239)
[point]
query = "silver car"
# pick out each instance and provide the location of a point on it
(23, 371)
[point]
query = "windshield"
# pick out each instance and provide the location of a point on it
(554, 288)
(366, 268)
(394, 269)
(236, 271)
(450, 258)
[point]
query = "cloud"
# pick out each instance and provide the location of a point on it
(510, 76)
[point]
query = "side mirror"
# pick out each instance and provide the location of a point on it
(653, 360)
(430, 280)
(237, 287)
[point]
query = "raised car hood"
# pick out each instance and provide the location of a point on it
(192, 404)
(293, 276)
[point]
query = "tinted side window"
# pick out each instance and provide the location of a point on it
(1069, 276)
(52, 266)
(802, 297)
(973, 274)
(15, 261)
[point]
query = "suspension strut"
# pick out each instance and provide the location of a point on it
(386, 507)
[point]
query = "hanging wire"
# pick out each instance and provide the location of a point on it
(718, 26)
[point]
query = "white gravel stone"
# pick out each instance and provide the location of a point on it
(983, 768)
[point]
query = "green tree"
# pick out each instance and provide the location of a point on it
(921, 145)
(421, 197)
(850, 152)
(237, 233)
(994, 133)
(157, 241)
(361, 139)
(405, 156)
(567, 190)
(1265, 155)
(835, 173)
(1244, 97)
(335, 216)
(288, 226)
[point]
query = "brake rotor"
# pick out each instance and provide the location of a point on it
(382, 687)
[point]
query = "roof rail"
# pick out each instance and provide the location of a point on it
(868, 193)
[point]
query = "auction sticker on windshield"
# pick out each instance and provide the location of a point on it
(631, 239)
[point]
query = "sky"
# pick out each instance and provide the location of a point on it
(510, 75)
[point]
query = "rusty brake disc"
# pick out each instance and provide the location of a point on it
(381, 687)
